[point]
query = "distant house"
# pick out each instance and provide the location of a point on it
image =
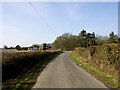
(34, 47)
(40, 47)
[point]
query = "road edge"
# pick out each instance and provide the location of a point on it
(99, 79)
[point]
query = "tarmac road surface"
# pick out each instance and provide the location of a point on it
(62, 72)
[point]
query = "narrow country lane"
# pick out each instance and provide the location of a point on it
(64, 73)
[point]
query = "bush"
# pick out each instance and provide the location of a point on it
(105, 57)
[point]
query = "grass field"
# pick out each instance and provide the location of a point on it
(21, 68)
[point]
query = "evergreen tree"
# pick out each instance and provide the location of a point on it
(18, 47)
(111, 37)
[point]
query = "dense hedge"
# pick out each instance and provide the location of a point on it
(17, 62)
(106, 57)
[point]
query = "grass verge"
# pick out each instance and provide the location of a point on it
(28, 79)
(109, 80)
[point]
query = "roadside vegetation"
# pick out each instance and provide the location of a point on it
(20, 69)
(84, 39)
(100, 61)
(99, 55)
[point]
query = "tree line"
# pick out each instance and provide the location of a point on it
(68, 41)
(18, 47)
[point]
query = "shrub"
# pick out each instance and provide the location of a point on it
(105, 57)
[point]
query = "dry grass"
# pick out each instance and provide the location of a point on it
(109, 80)
(9, 54)
(105, 57)
(15, 62)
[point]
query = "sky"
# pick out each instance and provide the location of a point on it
(21, 25)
